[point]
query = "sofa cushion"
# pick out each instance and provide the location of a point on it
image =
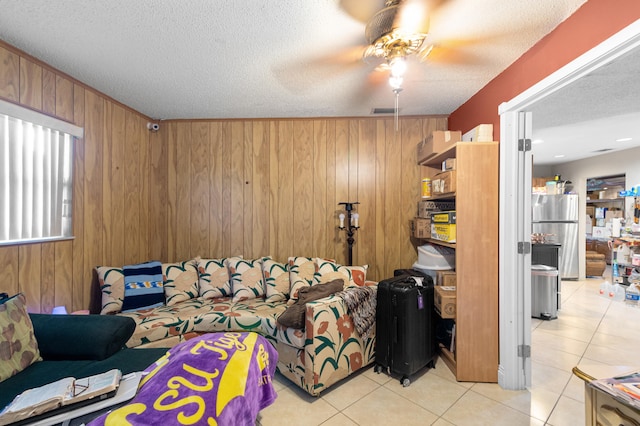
(248, 315)
(111, 281)
(66, 336)
(246, 278)
(43, 372)
(180, 281)
(294, 315)
(214, 280)
(358, 275)
(18, 347)
(276, 280)
(302, 272)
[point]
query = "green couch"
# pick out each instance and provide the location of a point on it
(78, 346)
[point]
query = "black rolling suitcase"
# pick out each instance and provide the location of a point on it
(405, 326)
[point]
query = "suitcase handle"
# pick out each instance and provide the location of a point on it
(395, 329)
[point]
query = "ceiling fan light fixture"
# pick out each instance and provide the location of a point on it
(398, 66)
(395, 82)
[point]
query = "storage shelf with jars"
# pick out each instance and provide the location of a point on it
(471, 185)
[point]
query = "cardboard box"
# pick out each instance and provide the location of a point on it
(437, 142)
(449, 164)
(445, 301)
(443, 182)
(444, 232)
(443, 217)
(480, 133)
(612, 214)
(426, 207)
(596, 232)
(446, 278)
(421, 227)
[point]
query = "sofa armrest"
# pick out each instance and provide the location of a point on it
(333, 347)
(74, 337)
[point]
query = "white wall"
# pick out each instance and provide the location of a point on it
(625, 162)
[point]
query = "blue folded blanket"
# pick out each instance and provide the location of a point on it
(143, 286)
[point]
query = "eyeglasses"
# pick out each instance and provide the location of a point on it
(78, 389)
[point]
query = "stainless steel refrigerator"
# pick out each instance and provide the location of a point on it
(557, 215)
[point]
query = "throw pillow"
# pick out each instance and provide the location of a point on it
(180, 281)
(302, 271)
(18, 347)
(111, 281)
(276, 280)
(329, 269)
(143, 286)
(214, 278)
(293, 316)
(358, 275)
(246, 278)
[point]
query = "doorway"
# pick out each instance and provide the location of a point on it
(515, 188)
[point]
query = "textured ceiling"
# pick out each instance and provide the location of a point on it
(261, 59)
(598, 113)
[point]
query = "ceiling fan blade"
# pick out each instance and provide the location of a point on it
(300, 75)
(413, 16)
(361, 10)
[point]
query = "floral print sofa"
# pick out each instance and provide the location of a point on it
(235, 294)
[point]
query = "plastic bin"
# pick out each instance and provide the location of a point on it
(436, 257)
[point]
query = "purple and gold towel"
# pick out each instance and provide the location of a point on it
(215, 379)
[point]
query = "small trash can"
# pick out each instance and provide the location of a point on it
(544, 292)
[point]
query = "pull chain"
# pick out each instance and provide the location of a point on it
(397, 92)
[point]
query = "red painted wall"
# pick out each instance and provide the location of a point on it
(590, 25)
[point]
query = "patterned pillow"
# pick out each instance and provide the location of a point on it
(180, 281)
(111, 281)
(276, 280)
(329, 270)
(18, 347)
(301, 273)
(214, 278)
(143, 286)
(246, 278)
(358, 275)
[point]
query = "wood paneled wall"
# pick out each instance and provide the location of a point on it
(272, 187)
(113, 218)
(211, 188)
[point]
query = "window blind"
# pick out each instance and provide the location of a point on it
(36, 186)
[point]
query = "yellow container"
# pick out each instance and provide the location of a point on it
(426, 188)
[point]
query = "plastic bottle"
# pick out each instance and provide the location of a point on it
(617, 293)
(605, 288)
(614, 269)
(632, 295)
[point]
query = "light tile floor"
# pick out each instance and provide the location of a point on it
(589, 330)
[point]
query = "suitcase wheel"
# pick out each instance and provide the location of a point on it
(405, 381)
(377, 368)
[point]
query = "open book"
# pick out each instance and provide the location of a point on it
(63, 392)
(625, 387)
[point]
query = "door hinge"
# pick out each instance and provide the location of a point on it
(524, 144)
(524, 351)
(524, 247)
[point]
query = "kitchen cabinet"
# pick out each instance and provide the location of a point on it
(476, 203)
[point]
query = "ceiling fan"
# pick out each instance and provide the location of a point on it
(395, 30)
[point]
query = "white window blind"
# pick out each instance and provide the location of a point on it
(36, 187)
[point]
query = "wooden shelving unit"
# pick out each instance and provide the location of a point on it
(476, 198)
